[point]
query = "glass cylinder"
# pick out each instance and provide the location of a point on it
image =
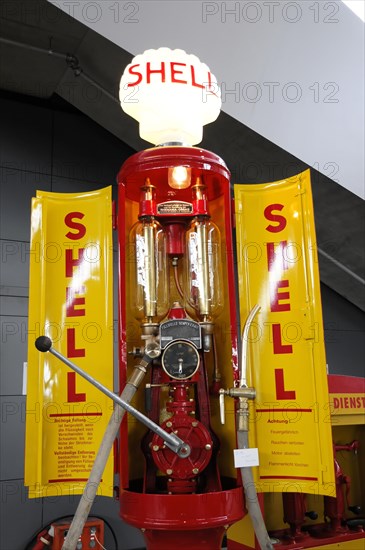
(149, 289)
(203, 270)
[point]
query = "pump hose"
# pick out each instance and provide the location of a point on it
(252, 503)
(97, 470)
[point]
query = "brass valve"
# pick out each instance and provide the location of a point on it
(243, 394)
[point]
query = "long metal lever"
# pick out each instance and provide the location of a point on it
(172, 441)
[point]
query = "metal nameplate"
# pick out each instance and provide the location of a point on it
(180, 329)
(174, 207)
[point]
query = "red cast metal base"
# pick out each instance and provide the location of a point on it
(193, 540)
(189, 521)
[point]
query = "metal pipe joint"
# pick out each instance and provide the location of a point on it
(243, 395)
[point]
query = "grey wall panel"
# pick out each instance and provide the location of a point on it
(12, 437)
(13, 290)
(13, 353)
(90, 153)
(56, 507)
(16, 191)
(339, 313)
(344, 326)
(14, 305)
(345, 352)
(14, 265)
(26, 137)
(21, 517)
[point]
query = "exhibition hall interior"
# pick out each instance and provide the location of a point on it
(223, 295)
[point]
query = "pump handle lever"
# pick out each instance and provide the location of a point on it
(172, 441)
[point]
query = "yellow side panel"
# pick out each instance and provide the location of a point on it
(278, 270)
(346, 545)
(71, 302)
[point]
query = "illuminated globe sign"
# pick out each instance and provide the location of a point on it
(172, 95)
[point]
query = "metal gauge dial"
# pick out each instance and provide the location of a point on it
(180, 360)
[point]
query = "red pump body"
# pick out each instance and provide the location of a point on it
(191, 500)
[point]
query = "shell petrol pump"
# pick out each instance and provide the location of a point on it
(177, 323)
(184, 456)
(177, 307)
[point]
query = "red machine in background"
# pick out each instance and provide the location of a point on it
(334, 510)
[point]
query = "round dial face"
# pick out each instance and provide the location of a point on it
(180, 360)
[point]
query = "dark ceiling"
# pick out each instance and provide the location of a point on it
(44, 53)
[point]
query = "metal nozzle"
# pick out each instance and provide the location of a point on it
(244, 345)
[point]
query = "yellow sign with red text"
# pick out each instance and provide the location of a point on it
(350, 403)
(278, 270)
(71, 302)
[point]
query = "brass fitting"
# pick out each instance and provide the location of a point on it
(139, 372)
(243, 395)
